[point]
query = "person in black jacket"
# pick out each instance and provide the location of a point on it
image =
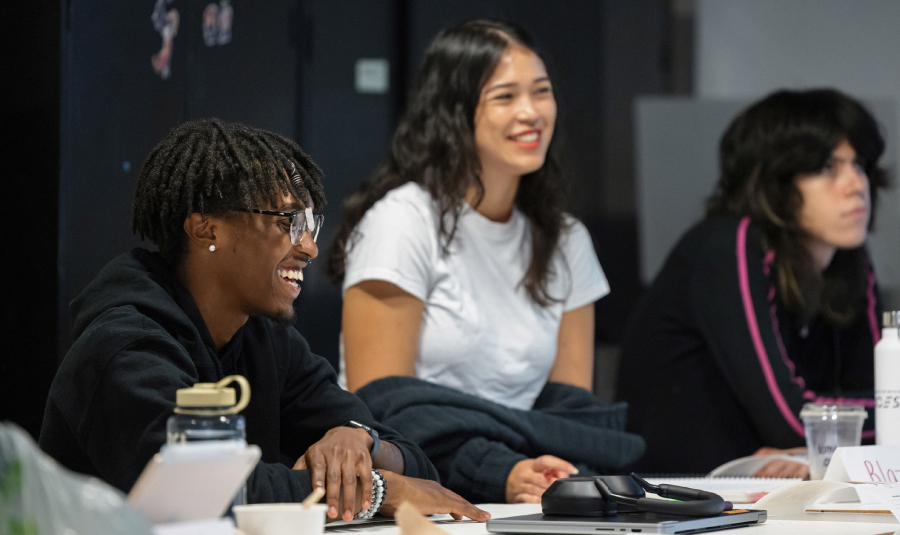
(770, 301)
(231, 209)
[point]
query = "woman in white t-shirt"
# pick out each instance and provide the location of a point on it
(458, 263)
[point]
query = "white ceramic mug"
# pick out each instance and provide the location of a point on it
(280, 518)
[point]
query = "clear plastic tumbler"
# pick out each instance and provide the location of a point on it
(829, 427)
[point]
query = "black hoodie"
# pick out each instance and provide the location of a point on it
(140, 337)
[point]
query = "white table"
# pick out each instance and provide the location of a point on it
(770, 527)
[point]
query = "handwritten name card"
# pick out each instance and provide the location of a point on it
(866, 464)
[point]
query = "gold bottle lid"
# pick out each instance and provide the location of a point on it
(202, 398)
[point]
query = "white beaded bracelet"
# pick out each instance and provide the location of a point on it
(379, 491)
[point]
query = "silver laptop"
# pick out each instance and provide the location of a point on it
(625, 523)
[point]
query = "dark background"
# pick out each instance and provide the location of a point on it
(82, 107)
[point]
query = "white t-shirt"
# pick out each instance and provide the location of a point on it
(481, 333)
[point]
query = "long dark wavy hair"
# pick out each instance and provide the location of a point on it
(434, 145)
(786, 135)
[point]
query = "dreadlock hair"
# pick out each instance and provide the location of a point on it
(434, 145)
(786, 135)
(209, 167)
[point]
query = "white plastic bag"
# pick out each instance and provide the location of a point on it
(40, 497)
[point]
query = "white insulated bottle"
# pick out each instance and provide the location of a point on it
(887, 382)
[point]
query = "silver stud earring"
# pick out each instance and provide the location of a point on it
(212, 248)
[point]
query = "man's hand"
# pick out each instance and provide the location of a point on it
(338, 462)
(528, 479)
(429, 497)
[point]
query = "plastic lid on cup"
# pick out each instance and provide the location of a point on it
(826, 411)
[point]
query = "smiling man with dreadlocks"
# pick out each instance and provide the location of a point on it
(232, 210)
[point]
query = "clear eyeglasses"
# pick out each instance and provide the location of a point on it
(301, 220)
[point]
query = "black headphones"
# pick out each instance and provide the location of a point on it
(610, 495)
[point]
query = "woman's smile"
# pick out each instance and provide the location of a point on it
(528, 140)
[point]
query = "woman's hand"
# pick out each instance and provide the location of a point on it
(429, 497)
(782, 468)
(766, 450)
(528, 479)
(336, 462)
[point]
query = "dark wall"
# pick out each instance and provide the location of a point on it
(288, 68)
(29, 113)
(115, 108)
(345, 132)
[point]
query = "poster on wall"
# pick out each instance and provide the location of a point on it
(217, 23)
(165, 22)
